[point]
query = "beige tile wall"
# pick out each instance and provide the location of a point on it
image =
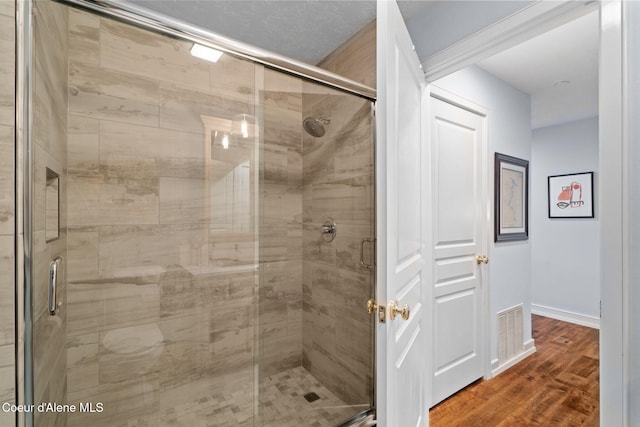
(356, 58)
(281, 234)
(151, 259)
(162, 273)
(50, 135)
(7, 208)
(338, 183)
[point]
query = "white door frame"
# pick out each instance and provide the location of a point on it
(614, 177)
(485, 324)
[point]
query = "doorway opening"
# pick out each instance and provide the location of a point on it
(537, 114)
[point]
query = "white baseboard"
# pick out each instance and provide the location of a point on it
(566, 316)
(528, 348)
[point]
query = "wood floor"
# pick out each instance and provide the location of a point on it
(556, 386)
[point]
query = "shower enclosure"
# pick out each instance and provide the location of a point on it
(183, 208)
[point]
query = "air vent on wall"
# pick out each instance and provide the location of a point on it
(510, 338)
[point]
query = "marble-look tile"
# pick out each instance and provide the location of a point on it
(84, 37)
(129, 402)
(182, 201)
(50, 77)
(275, 163)
(49, 128)
(7, 209)
(179, 293)
(146, 54)
(7, 290)
(107, 94)
(356, 58)
(97, 201)
(189, 110)
(7, 63)
(85, 309)
(281, 281)
(282, 202)
(354, 154)
(233, 78)
(186, 349)
(7, 8)
(82, 362)
(225, 253)
(242, 286)
(7, 373)
(82, 124)
(337, 182)
(129, 353)
(128, 150)
(283, 127)
(231, 336)
(282, 91)
(318, 160)
(144, 252)
(49, 338)
(279, 352)
(83, 153)
(7, 200)
(82, 254)
(98, 305)
(127, 304)
(295, 167)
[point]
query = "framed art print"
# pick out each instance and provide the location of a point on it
(571, 195)
(511, 198)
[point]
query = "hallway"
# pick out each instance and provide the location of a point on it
(557, 385)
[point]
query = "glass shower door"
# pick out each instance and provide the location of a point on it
(210, 223)
(155, 154)
(316, 338)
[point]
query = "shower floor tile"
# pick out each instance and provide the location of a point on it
(282, 404)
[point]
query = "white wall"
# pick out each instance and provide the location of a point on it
(633, 73)
(509, 133)
(565, 252)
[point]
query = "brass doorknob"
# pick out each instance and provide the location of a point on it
(482, 259)
(371, 306)
(403, 311)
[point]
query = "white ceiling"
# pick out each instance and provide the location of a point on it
(306, 30)
(541, 65)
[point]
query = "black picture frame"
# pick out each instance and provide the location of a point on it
(570, 195)
(511, 190)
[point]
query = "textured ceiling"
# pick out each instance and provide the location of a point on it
(306, 30)
(559, 69)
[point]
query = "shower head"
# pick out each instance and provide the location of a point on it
(315, 125)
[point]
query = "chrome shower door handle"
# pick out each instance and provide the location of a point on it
(54, 265)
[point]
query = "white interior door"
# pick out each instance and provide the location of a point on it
(403, 380)
(458, 143)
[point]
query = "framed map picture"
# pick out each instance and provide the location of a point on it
(571, 196)
(511, 198)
